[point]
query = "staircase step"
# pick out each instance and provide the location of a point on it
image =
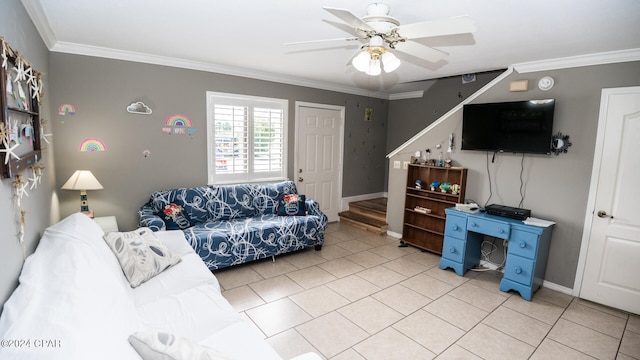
(374, 208)
(364, 222)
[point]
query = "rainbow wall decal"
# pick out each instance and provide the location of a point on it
(178, 120)
(65, 109)
(92, 145)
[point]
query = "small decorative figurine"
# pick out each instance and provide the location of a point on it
(444, 187)
(418, 184)
(434, 185)
(455, 189)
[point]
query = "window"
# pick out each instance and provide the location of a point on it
(246, 138)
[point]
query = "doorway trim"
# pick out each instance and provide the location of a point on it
(298, 105)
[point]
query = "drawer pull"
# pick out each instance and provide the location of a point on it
(452, 250)
(501, 231)
(473, 224)
(518, 270)
(455, 227)
(523, 244)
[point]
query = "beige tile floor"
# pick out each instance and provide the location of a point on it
(363, 297)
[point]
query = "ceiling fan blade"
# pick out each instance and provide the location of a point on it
(458, 25)
(342, 26)
(348, 17)
(323, 40)
(421, 51)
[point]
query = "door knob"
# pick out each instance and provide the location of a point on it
(300, 179)
(603, 214)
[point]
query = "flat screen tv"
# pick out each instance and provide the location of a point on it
(517, 127)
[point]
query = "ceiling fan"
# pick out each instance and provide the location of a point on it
(382, 33)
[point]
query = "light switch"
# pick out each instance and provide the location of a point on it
(396, 164)
(405, 165)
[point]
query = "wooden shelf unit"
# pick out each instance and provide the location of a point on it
(426, 231)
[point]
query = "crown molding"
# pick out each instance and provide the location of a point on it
(579, 61)
(103, 52)
(40, 21)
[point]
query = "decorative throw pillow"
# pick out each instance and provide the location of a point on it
(140, 254)
(291, 205)
(174, 217)
(163, 346)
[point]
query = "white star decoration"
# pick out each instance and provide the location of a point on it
(4, 57)
(4, 53)
(35, 179)
(20, 72)
(43, 136)
(35, 89)
(21, 189)
(9, 152)
(31, 79)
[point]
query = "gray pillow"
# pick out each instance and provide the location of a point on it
(163, 346)
(140, 254)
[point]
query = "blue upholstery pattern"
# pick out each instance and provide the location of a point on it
(234, 224)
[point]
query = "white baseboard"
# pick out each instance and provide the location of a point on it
(558, 288)
(394, 234)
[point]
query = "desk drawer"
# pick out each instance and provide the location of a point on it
(456, 227)
(453, 249)
(488, 227)
(523, 243)
(519, 270)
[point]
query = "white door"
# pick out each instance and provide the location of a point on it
(612, 266)
(318, 172)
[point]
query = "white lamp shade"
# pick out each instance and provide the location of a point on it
(390, 62)
(361, 61)
(82, 180)
(374, 68)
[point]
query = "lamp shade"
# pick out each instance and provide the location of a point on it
(390, 62)
(82, 180)
(361, 61)
(374, 68)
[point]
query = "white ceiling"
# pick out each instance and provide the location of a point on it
(246, 37)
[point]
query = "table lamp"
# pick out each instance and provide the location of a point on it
(83, 180)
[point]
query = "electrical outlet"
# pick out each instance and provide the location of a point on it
(396, 164)
(405, 165)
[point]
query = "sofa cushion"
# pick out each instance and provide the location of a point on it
(156, 345)
(225, 243)
(140, 254)
(191, 272)
(291, 205)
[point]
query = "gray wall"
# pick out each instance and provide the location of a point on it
(100, 89)
(556, 187)
(442, 96)
(18, 30)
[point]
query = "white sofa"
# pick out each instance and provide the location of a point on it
(74, 302)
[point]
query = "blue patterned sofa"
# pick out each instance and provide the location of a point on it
(233, 224)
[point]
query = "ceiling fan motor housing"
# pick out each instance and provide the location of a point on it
(378, 18)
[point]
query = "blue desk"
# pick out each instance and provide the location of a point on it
(526, 255)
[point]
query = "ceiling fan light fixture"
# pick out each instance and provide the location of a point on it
(361, 61)
(374, 68)
(390, 62)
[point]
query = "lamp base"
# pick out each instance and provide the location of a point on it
(84, 204)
